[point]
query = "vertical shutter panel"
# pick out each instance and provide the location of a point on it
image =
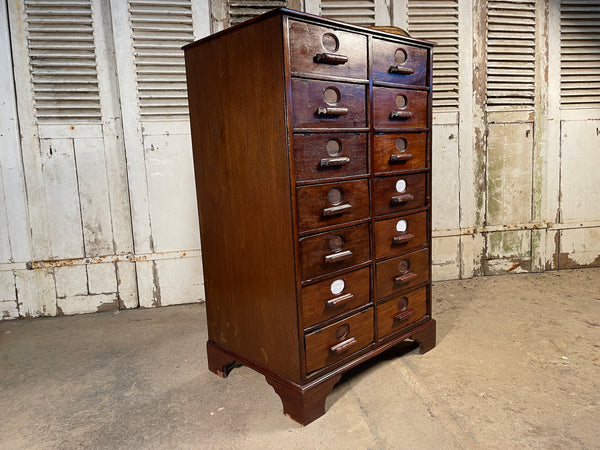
(160, 28)
(350, 11)
(510, 54)
(63, 60)
(438, 21)
(240, 10)
(580, 53)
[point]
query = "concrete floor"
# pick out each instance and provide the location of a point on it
(516, 366)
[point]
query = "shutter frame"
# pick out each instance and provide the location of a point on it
(357, 12)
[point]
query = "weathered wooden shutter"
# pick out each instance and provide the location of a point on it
(580, 53)
(159, 29)
(510, 54)
(60, 39)
(351, 11)
(240, 10)
(438, 21)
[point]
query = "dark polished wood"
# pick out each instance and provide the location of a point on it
(349, 335)
(410, 104)
(308, 40)
(315, 249)
(401, 273)
(394, 153)
(295, 124)
(389, 241)
(315, 155)
(386, 190)
(394, 62)
(401, 311)
(322, 301)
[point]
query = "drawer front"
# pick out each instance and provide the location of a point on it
(332, 204)
(399, 152)
(399, 108)
(397, 63)
(401, 273)
(326, 51)
(400, 193)
(329, 252)
(335, 296)
(399, 312)
(331, 155)
(338, 340)
(400, 234)
(327, 104)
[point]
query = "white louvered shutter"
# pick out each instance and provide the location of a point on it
(438, 21)
(240, 10)
(510, 54)
(63, 61)
(351, 11)
(580, 53)
(159, 29)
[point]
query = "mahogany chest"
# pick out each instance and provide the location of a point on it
(312, 158)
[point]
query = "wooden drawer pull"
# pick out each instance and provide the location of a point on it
(339, 300)
(404, 278)
(331, 111)
(330, 58)
(400, 157)
(401, 70)
(338, 257)
(400, 115)
(403, 239)
(343, 346)
(335, 162)
(399, 199)
(403, 315)
(335, 210)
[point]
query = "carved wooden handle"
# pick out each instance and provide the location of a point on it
(405, 277)
(330, 58)
(401, 115)
(335, 210)
(331, 111)
(335, 162)
(403, 239)
(401, 70)
(337, 257)
(403, 315)
(399, 199)
(343, 346)
(339, 300)
(400, 157)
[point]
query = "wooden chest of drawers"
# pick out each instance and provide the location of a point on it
(312, 158)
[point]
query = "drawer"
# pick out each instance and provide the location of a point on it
(399, 108)
(335, 296)
(338, 340)
(397, 63)
(399, 312)
(319, 50)
(401, 273)
(329, 252)
(399, 152)
(401, 193)
(332, 204)
(331, 155)
(326, 104)
(400, 234)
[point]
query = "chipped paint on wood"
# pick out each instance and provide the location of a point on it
(579, 248)
(445, 253)
(445, 178)
(508, 244)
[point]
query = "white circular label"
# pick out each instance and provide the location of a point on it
(337, 287)
(401, 226)
(401, 185)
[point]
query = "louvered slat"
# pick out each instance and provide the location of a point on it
(350, 11)
(62, 60)
(580, 53)
(240, 10)
(160, 28)
(438, 21)
(510, 54)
